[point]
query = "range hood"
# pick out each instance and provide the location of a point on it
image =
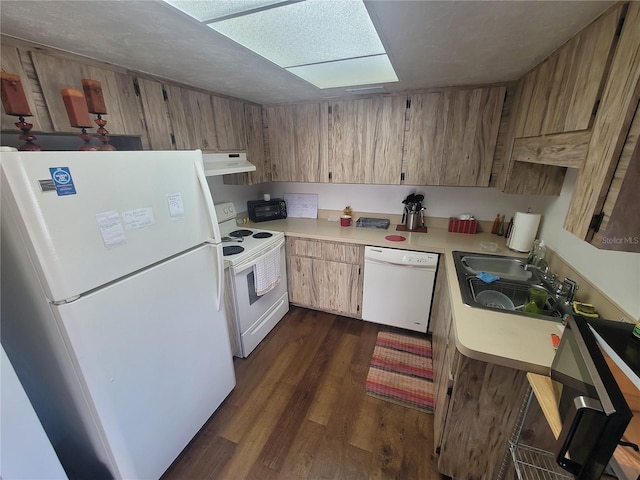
(224, 163)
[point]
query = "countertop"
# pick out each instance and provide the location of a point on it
(495, 337)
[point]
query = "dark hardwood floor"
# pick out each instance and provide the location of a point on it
(300, 411)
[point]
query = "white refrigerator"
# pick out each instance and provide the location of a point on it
(112, 311)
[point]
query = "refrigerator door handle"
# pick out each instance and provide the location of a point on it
(220, 275)
(215, 228)
(206, 194)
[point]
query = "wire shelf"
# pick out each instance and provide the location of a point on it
(534, 464)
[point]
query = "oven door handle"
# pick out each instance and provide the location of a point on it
(251, 262)
(578, 408)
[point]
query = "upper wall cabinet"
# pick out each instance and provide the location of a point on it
(12, 62)
(255, 150)
(298, 142)
(451, 137)
(366, 140)
(156, 117)
(554, 110)
(607, 184)
(55, 74)
(191, 118)
(230, 124)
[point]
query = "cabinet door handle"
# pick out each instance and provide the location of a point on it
(579, 407)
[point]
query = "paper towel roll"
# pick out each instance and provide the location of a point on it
(523, 233)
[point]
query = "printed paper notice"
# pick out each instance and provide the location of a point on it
(176, 207)
(111, 228)
(301, 205)
(138, 218)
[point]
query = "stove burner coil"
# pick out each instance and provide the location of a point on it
(232, 250)
(240, 233)
(262, 235)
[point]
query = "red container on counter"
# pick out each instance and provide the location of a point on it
(463, 226)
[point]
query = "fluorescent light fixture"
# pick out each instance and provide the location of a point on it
(345, 73)
(206, 11)
(306, 32)
(328, 43)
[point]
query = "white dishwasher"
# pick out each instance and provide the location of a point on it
(398, 286)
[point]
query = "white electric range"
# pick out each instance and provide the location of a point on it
(244, 248)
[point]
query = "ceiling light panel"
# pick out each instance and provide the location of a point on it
(207, 10)
(307, 32)
(346, 73)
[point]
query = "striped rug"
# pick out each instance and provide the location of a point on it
(401, 371)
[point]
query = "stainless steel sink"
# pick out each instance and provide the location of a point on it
(508, 268)
(514, 284)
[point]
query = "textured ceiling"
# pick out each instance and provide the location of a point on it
(430, 43)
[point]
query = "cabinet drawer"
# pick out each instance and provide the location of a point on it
(332, 251)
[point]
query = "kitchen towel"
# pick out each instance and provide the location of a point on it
(266, 272)
(523, 233)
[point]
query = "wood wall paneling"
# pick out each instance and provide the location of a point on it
(616, 111)
(424, 139)
(11, 60)
(156, 115)
(177, 105)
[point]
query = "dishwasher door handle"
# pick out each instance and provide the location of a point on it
(402, 265)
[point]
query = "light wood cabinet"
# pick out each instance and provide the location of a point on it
(325, 275)
(298, 142)
(255, 150)
(441, 338)
(118, 91)
(230, 124)
(476, 403)
(559, 96)
(191, 118)
(366, 140)
(424, 140)
(156, 116)
(610, 152)
(12, 62)
(451, 137)
(617, 226)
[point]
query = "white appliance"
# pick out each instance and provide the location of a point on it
(398, 287)
(255, 314)
(112, 278)
(225, 163)
(25, 450)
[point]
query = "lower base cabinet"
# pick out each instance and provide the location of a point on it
(325, 275)
(477, 404)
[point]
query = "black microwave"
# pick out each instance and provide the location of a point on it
(593, 410)
(263, 210)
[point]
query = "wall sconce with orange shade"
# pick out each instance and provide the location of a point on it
(15, 103)
(78, 115)
(95, 103)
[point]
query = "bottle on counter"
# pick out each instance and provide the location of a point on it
(496, 224)
(507, 234)
(533, 253)
(501, 226)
